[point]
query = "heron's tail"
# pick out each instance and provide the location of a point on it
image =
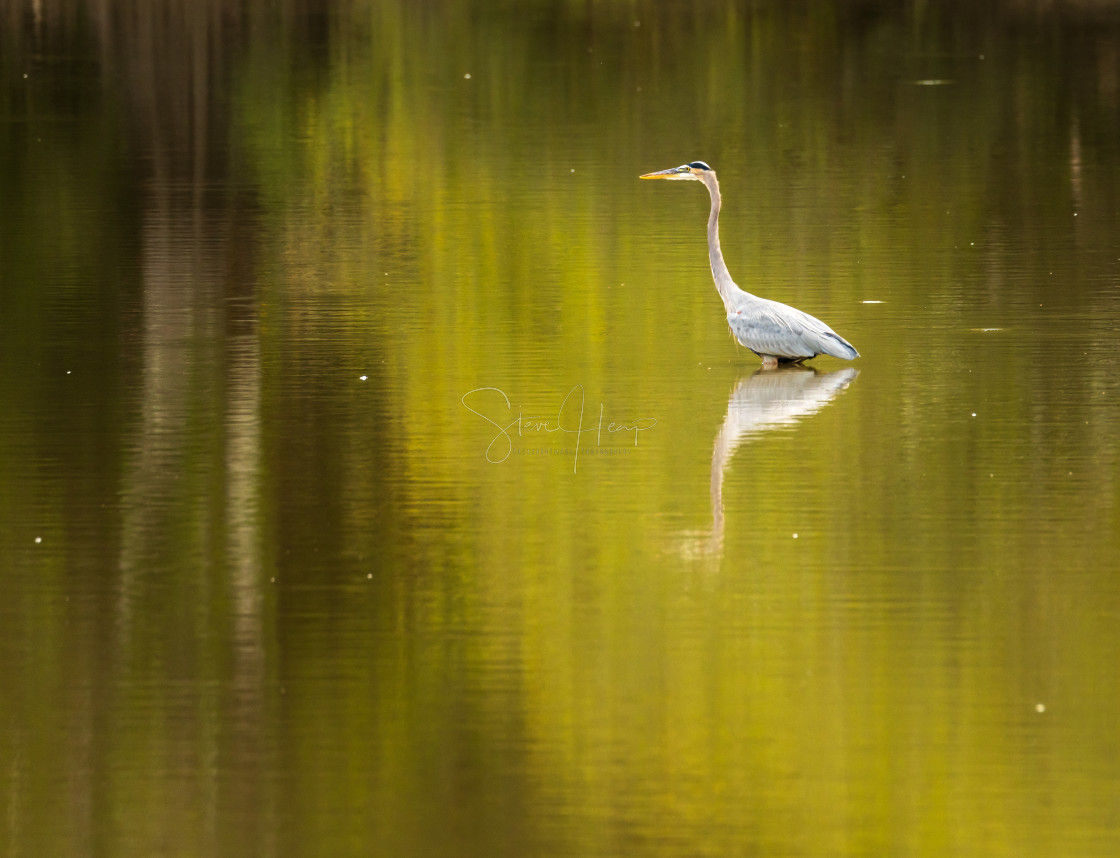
(839, 347)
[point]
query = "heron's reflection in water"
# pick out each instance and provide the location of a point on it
(766, 400)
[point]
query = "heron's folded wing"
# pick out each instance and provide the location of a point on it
(767, 330)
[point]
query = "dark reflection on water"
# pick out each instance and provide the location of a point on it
(261, 591)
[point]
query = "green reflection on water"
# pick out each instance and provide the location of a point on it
(281, 603)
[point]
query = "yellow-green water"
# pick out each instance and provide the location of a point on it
(378, 476)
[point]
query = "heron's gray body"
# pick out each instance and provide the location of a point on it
(772, 330)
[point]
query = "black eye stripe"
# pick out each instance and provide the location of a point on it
(699, 165)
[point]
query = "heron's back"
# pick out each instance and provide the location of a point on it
(772, 328)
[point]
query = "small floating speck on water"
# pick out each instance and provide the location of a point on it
(986, 330)
(38, 540)
(467, 76)
(871, 302)
(973, 413)
(361, 378)
(935, 81)
(1040, 707)
(795, 536)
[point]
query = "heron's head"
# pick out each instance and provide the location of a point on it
(694, 171)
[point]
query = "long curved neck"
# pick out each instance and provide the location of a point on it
(724, 284)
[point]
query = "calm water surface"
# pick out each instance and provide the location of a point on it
(377, 475)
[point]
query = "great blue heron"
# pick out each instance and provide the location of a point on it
(773, 331)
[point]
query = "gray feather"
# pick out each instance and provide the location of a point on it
(772, 328)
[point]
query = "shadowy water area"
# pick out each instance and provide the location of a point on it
(378, 475)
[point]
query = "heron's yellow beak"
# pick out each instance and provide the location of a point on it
(677, 173)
